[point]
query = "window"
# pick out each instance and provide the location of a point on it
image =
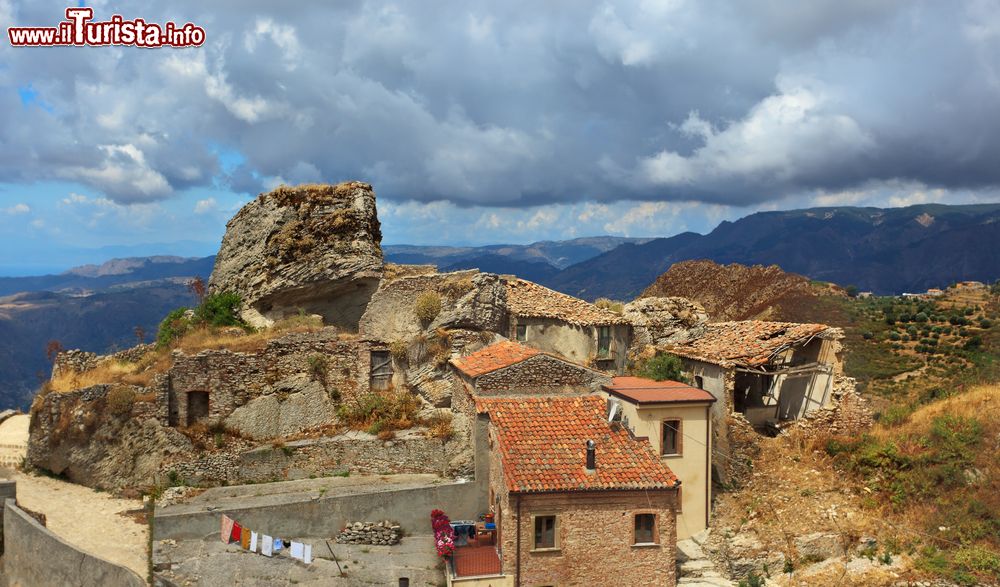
(603, 341)
(545, 533)
(671, 441)
(645, 529)
(699, 382)
(522, 332)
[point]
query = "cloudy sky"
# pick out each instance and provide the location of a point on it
(485, 122)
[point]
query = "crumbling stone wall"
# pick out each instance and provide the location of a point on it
(411, 451)
(849, 415)
(234, 378)
(539, 375)
(75, 434)
(74, 361)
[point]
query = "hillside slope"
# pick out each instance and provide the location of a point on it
(738, 292)
(888, 251)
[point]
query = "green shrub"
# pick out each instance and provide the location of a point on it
(985, 323)
(920, 317)
(399, 349)
(663, 368)
(173, 327)
(427, 307)
(317, 367)
(220, 309)
(120, 400)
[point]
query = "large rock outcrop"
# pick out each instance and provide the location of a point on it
(311, 248)
(469, 300)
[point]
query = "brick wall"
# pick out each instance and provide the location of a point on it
(541, 374)
(595, 536)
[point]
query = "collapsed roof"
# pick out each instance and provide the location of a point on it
(749, 343)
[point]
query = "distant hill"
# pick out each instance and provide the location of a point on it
(93, 278)
(559, 254)
(538, 271)
(888, 251)
(98, 322)
(93, 307)
(739, 292)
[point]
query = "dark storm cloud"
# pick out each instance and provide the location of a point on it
(519, 103)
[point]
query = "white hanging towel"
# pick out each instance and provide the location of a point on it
(307, 554)
(253, 541)
(266, 545)
(296, 551)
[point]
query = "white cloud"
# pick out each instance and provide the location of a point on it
(788, 135)
(205, 206)
(124, 171)
(17, 209)
(283, 36)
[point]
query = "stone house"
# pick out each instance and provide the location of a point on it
(568, 326)
(576, 499)
(675, 418)
(508, 367)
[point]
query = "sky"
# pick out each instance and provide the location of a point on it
(488, 122)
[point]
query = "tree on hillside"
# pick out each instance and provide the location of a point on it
(198, 288)
(52, 350)
(663, 368)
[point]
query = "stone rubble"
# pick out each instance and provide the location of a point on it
(384, 533)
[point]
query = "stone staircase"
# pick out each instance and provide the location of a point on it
(694, 568)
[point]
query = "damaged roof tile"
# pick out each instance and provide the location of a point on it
(528, 299)
(496, 356)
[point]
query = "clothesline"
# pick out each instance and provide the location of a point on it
(231, 531)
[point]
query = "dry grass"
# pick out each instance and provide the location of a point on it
(981, 403)
(159, 361)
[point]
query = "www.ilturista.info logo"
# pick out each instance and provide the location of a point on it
(79, 30)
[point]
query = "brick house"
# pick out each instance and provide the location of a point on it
(508, 367)
(675, 418)
(577, 500)
(555, 322)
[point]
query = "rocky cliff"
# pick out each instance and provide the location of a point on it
(311, 248)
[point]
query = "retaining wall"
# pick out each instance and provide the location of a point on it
(326, 516)
(35, 556)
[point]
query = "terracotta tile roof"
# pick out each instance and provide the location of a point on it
(640, 390)
(525, 298)
(747, 343)
(543, 447)
(496, 356)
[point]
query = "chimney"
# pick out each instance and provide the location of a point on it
(591, 456)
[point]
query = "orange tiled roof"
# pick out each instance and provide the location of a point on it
(525, 298)
(748, 343)
(496, 356)
(640, 390)
(543, 447)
